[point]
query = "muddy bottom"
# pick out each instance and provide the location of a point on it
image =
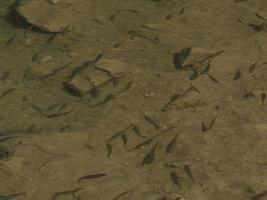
(152, 131)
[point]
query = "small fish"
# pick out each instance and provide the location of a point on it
(124, 139)
(172, 99)
(142, 144)
(211, 56)
(213, 79)
(38, 109)
(169, 16)
(182, 10)
(51, 38)
(188, 172)
(119, 195)
(7, 92)
(212, 122)
(5, 75)
(137, 131)
(191, 88)
(263, 97)
(175, 179)
(194, 76)
(56, 71)
(116, 135)
(259, 196)
(35, 56)
(237, 75)
(258, 27)
(72, 192)
(149, 158)
(108, 98)
(127, 87)
(206, 70)
(91, 176)
(252, 67)
(109, 148)
(152, 122)
(11, 40)
(85, 65)
(249, 94)
(59, 114)
(171, 145)
(205, 128)
(180, 57)
(9, 197)
(259, 16)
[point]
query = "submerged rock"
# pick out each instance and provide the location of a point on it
(43, 15)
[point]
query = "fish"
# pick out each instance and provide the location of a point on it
(119, 195)
(171, 145)
(213, 79)
(142, 144)
(206, 70)
(67, 192)
(175, 179)
(188, 172)
(205, 128)
(55, 71)
(38, 109)
(263, 97)
(150, 157)
(259, 196)
(108, 98)
(169, 16)
(172, 99)
(7, 92)
(249, 94)
(91, 176)
(85, 65)
(137, 131)
(237, 75)
(124, 139)
(9, 197)
(180, 57)
(152, 122)
(59, 114)
(191, 88)
(11, 40)
(51, 38)
(252, 67)
(116, 135)
(194, 75)
(109, 148)
(211, 56)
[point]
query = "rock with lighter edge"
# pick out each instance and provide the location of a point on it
(82, 84)
(45, 16)
(115, 68)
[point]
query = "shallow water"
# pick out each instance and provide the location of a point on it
(6, 29)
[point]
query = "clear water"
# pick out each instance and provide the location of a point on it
(6, 29)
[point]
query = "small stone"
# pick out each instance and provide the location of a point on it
(84, 83)
(114, 67)
(98, 78)
(175, 196)
(150, 94)
(45, 59)
(72, 54)
(45, 16)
